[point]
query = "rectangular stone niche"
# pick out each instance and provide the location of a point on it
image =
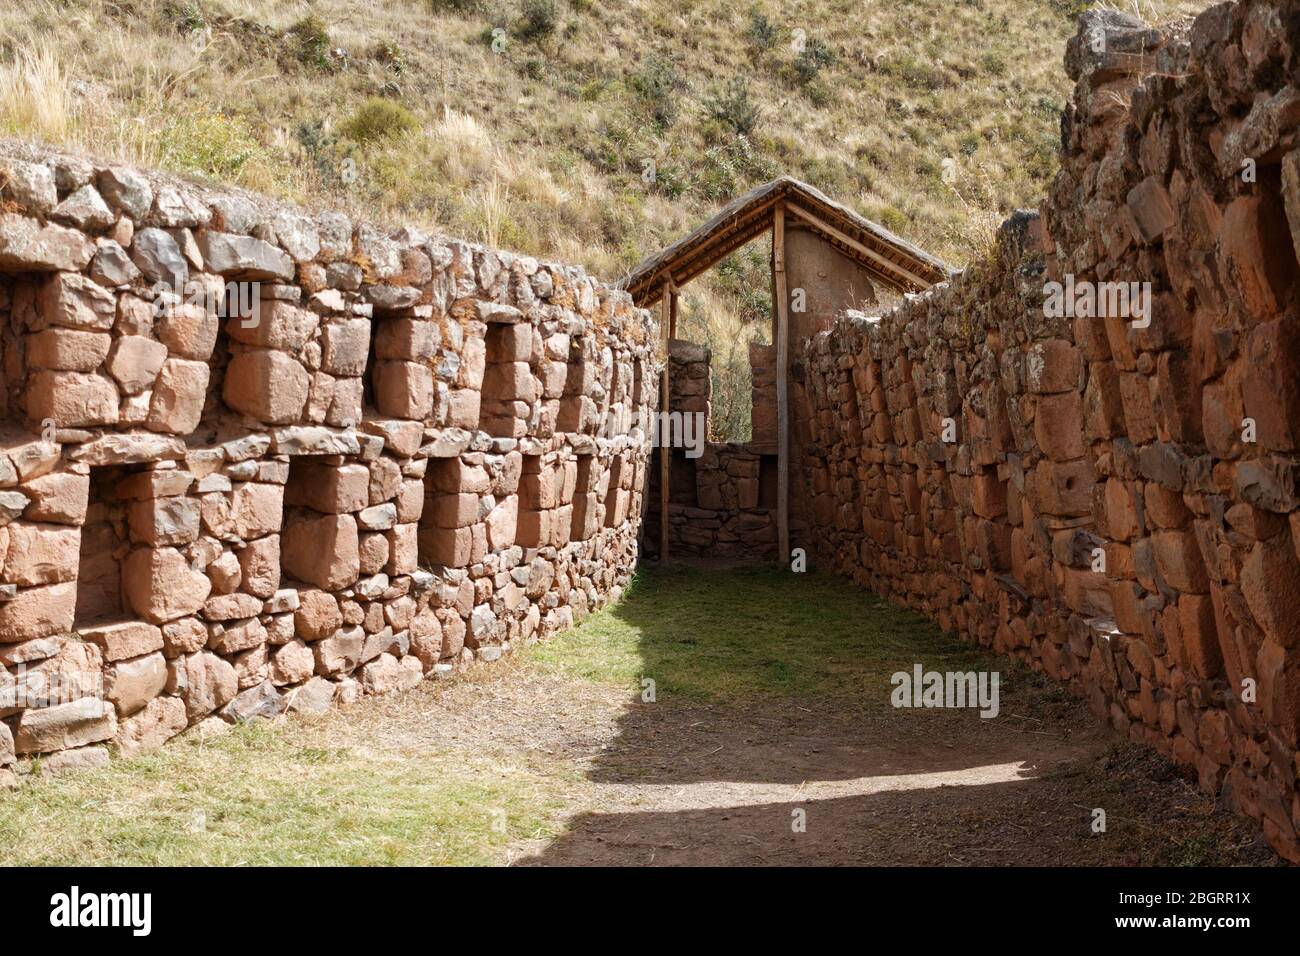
(587, 510)
(509, 389)
(546, 491)
(105, 542)
(682, 486)
(452, 529)
(369, 397)
(767, 482)
(319, 536)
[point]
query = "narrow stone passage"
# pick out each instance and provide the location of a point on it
(771, 707)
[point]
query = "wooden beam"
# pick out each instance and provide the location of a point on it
(651, 271)
(688, 269)
(856, 246)
(663, 425)
(782, 388)
(688, 264)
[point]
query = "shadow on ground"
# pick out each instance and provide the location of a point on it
(771, 740)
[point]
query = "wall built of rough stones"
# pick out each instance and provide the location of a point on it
(1118, 503)
(721, 495)
(411, 453)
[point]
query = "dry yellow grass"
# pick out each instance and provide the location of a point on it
(35, 95)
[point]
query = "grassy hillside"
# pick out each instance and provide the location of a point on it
(530, 124)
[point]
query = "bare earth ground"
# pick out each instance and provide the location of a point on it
(771, 704)
(712, 784)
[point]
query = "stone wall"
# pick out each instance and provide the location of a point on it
(1111, 500)
(721, 503)
(255, 459)
(762, 418)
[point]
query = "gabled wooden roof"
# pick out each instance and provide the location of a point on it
(894, 262)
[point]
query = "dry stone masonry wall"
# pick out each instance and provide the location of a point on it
(1111, 498)
(257, 460)
(721, 495)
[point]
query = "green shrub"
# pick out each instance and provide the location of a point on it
(378, 118)
(591, 90)
(732, 106)
(892, 219)
(657, 84)
(762, 33)
(209, 143)
(391, 56)
(538, 19)
(311, 40)
(811, 60)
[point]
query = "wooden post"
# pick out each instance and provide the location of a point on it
(669, 303)
(782, 388)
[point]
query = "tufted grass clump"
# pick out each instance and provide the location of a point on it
(378, 119)
(455, 6)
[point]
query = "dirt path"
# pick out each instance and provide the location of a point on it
(714, 784)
